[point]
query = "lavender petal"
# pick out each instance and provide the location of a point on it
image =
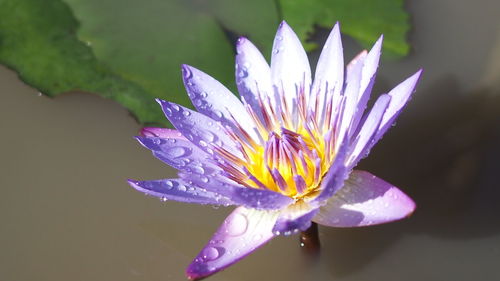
(179, 190)
(365, 200)
(399, 97)
(291, 221)
(329, 75)
(368, 75)
(177, 152)
(160, 133)
(334, 178)
(289, 64)
(198, 128)
(365, 136)
(253, 75)
(213, 99)
(243, 231)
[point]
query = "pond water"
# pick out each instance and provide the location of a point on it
(68, 214)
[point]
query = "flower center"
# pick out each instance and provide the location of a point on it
(290, 163)
(295, 148)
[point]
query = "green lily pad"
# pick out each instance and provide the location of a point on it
(131, 51)
(38, 40)
(364, 20)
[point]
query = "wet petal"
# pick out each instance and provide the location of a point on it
(253, 75)
(365, 136)
(289, 64)
(399, 97)
(353, 80)
(160, 132)
(334, 178)
(198, 128)
(329, 75)
(359, 58)
(260, 198)
(179, 190)
(368, 73)
(249, 197)
(213, 99)
(176, 152)
(294, 218)
(243, 231)
(365, 200)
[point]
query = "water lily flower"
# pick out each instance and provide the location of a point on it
(284, 153)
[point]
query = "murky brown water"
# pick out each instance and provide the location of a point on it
(67, 213)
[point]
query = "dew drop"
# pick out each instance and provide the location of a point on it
(242, 73)
(208, 136)
(175, 107)
(211, 253)
(177, 151)
(236, 225)
(218, 114)
(198, 170)
(203, 94)
(186, 113)
(168, 111)
(198, 102)
(204, 179)
(181, 188)
(169, 184)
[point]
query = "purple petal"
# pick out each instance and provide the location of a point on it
(399, 96)
(329, 75)
(289, 64)
(179, 190)
(292, 219)
(334, 178)
(160, 132)
(359, 58)
(253, 75)
(368, 74)
(198, 128)
(241, 233)
(211, 98)
(351, 92)
(365, 200)
(365, 135)
(178, 153)
(245, 196)
(260, 198)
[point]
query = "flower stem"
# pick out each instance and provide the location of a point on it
(309, 240)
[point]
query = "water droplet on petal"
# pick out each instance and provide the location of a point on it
(175, 107)
(168, 112)
(212, 253)
(186, 113)
(242, 73)
(181, 188)
(218, 114)
(169, 184)
(236, 225)
(177, 151)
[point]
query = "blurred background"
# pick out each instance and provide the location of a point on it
(68, 214)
